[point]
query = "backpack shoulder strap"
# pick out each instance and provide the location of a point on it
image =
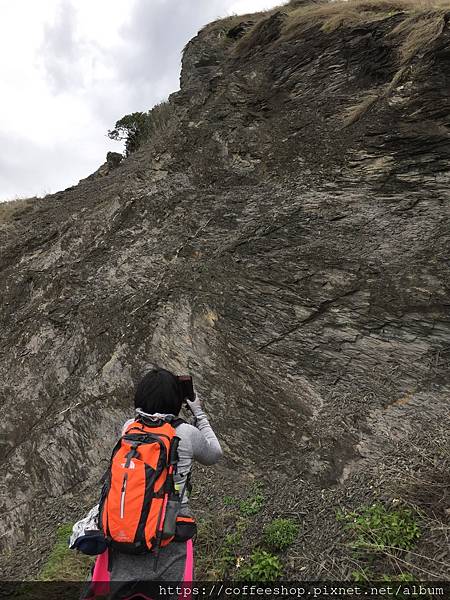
(150, 422)
(177, 421)
(174, 421)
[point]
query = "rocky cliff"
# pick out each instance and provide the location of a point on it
(286, 241)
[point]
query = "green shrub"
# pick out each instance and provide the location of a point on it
(261, 566)
(138, 127)
(376, 528)
(133, 129)
(280, 533)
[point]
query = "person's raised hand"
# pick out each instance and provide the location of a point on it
(195, 405)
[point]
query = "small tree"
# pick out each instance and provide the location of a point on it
(140, 126)
(133, 128)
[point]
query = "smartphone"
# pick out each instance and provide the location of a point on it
(187, 387)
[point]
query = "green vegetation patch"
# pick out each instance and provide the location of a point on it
(231, 544)
(217, 551)
(64, 564)
(254, 503)
(260, 566)
(377, 528)
(280, 534)
(228, 554)
(379, 536)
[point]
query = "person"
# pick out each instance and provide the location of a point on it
(158, 396)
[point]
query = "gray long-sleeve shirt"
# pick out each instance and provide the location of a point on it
(198, 443)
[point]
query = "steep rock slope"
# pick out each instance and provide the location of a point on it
(286, 241)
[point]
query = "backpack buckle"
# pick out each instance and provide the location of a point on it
(132, 453)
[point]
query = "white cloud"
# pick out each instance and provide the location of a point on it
(70, 69)
(36, 168)
(63, 50)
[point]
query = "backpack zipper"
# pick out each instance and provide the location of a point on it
(122, 496)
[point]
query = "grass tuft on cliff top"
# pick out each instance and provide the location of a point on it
(422, 20)
(411, 34)
(11, 209)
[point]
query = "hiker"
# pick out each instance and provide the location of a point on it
(158, 401)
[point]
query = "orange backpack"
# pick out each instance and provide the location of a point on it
(139, 504)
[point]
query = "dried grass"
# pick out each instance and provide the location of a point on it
(418, 32)
(262, 34)
(222, 26)
(355, 112)
(421, 24)
(160, 117)
(11, 209)
(426, 485)
(412, 38)
(332, 15)
(423, 19)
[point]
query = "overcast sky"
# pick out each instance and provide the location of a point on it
(70, 69)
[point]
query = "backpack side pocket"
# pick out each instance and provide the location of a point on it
(186, 528)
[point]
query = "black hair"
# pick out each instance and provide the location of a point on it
(159, 391)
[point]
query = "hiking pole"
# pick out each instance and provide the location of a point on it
(169, 490)
(159, 531)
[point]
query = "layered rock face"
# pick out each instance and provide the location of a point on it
(285, 241)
